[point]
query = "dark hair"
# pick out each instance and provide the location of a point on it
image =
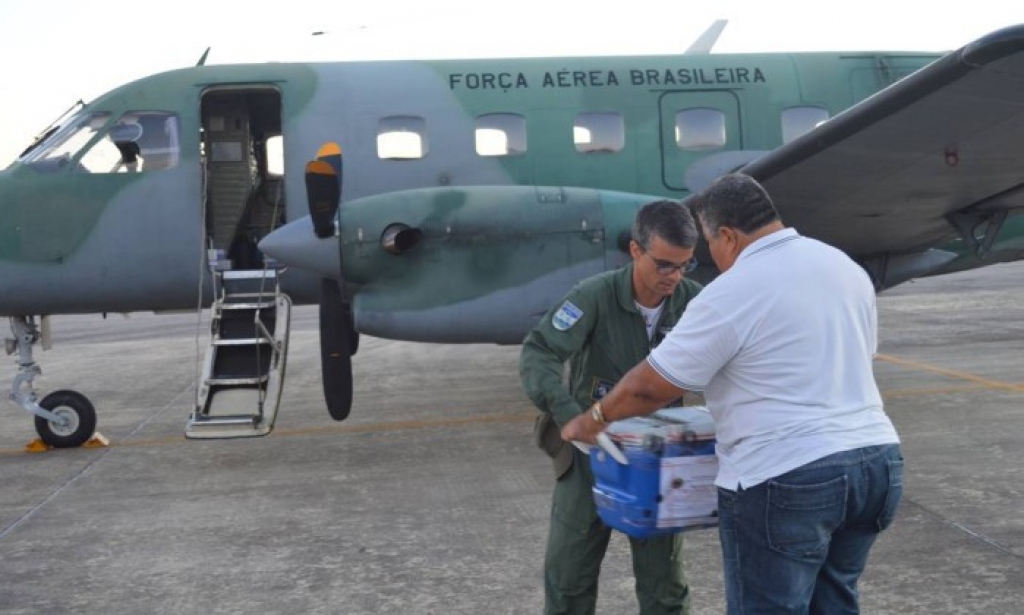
(736, 201)
(670, 220)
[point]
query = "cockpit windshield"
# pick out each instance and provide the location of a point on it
(55, 152)
(138, 141)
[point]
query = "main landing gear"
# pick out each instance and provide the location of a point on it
(64, 419)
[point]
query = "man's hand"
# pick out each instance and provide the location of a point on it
(583, 428)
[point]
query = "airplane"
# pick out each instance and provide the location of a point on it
(454, 201)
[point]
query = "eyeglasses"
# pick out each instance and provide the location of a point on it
(668, 267)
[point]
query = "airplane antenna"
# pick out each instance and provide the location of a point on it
(202, 59)
(707, 40)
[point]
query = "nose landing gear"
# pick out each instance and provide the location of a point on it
(64, 419)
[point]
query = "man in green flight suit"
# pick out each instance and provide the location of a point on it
(606, 325)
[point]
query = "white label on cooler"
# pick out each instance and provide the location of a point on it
(688, 493)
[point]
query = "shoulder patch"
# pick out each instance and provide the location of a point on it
(566, 316)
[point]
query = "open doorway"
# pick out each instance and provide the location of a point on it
(244, 181)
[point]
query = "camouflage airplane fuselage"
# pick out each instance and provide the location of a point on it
(502, 235)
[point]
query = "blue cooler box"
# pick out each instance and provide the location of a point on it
(668, 484)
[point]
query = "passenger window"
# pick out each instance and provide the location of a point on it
(700, 128)
(275, 155)
(797, 121)
(401, 137)
(500, 134)
(599, 132)
(138, 141)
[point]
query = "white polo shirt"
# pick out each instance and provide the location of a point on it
(781, 345)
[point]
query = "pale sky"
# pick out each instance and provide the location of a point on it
(55, 52)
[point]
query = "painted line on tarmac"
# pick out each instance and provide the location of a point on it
(522, 417)
(102, 453)
(519, 417)
(417, 424)
(935, 369)
(921, 391)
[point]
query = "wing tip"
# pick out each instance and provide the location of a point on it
(994, 46)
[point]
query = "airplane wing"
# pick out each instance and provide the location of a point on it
(894, 173)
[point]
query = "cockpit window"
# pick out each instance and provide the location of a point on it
(138, 141)
(56, 151)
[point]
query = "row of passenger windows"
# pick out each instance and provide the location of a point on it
(144, 141)
(404, 137)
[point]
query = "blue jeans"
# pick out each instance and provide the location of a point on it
(797, 543)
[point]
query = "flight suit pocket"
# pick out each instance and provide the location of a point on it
(548, 438)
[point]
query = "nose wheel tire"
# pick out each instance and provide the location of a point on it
(78, 419)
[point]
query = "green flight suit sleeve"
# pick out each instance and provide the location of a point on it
(545, 351)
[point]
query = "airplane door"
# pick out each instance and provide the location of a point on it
(244, 197)
(695, 124)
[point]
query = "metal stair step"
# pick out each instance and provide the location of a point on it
(232, 420)
(236, 381)
(248, 341)
(247, 305)
(249, 274)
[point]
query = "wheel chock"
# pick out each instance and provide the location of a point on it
(37, 446)
(97, 440)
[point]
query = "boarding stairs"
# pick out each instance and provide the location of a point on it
(243, 373)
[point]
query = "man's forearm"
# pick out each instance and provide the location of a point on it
(641, 391)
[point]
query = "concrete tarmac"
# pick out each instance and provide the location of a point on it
(431, 498)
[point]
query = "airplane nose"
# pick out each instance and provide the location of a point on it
(296, 245)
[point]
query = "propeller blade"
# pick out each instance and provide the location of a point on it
(323, 192)
(330, 153)
(336, 348)
(338, 337)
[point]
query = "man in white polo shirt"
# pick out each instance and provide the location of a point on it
(781, 343)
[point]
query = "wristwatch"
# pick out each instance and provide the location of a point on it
(596, 414)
